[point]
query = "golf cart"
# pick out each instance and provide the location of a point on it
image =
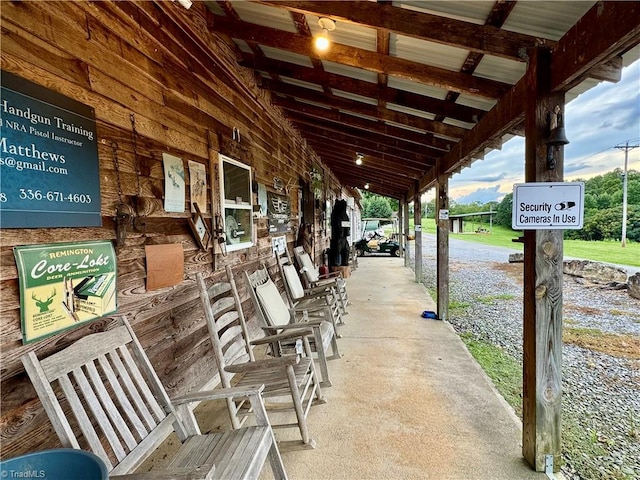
(379, 235)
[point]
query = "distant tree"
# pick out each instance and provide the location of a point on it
(376, 206)
(503, 211)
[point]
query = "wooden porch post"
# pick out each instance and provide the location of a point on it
(405, 227)
(401, 236)
(542, 345)
(442, 256)
(417, 219)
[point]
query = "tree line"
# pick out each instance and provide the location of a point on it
(602, 208)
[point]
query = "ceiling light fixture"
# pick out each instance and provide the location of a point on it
(321, 42)
(185, 3)
(359, 157)
(366, 186)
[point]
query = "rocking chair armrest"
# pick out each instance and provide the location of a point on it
(201, 472)
(330, 275)
(313, 323)
(318, 290)
(310, 308)
(219, 394)
(302, 332)
(266, 364)
(326, 282)
(314, 295)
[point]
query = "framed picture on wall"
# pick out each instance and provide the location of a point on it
(199, 228)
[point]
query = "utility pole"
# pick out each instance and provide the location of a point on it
(626, 147)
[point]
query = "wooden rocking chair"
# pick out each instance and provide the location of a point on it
(291, 376)
(276, 317)
(312, 277)
(122, 413)
(312, 298)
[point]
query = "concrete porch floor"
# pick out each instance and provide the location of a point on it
(408, 401)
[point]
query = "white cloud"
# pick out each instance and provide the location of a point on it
(595, 122)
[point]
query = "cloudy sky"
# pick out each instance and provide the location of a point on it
(595, 122)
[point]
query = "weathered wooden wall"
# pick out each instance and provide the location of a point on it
(159, 63)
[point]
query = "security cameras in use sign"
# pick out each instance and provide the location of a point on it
(548, 205)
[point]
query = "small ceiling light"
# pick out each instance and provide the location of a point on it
(359, 157)
(322, 41)
(366, 186)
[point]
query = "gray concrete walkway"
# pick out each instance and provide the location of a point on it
(408, 401)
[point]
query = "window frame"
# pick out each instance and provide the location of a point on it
(226, 205)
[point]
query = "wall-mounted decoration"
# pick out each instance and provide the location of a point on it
(317, 185)
(279, 245)
(64, 285)
(174, 189)
(198, 182)
(278, 212)
(278, 184)
(48, 158)
(200, 229)
(165, 265)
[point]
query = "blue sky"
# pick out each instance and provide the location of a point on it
(595, 122)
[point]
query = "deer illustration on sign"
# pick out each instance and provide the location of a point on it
(43, 305)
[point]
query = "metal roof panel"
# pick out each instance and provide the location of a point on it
(475, 11)
(428, 53)
(547, 19)
(265, 16)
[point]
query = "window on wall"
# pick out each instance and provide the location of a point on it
(235, 191)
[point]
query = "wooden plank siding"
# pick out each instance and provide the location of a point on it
(159, 63)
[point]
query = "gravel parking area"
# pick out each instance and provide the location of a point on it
(601, 389)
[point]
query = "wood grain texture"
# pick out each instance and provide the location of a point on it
(180, 82)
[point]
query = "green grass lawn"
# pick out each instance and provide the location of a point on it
(604, 251)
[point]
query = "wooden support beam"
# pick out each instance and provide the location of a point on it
(484, 39)
(577, 52)
(417, 222)
(543, 255)
(279, 68)
(333, 101)
(442, 255)
(405, 227)
(312, 113)
(361, 58)
(402, 240)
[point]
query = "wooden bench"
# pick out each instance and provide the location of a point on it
(122, 413)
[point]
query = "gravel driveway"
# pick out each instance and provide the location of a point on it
(601, 392)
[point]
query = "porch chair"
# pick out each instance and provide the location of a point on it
(312, 277)
(313, 298)
(291, 376)
(276, 317)
(122, 413)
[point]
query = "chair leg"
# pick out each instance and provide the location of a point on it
(275, 459)
(314, 373)
(334, 345)
(299, 408)
(322, 357)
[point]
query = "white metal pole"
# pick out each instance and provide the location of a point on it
(624, 197)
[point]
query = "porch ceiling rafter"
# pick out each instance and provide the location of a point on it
(576, 53)
(484, 39)
(360, 58)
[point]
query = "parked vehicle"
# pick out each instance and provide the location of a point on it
(379, 236)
